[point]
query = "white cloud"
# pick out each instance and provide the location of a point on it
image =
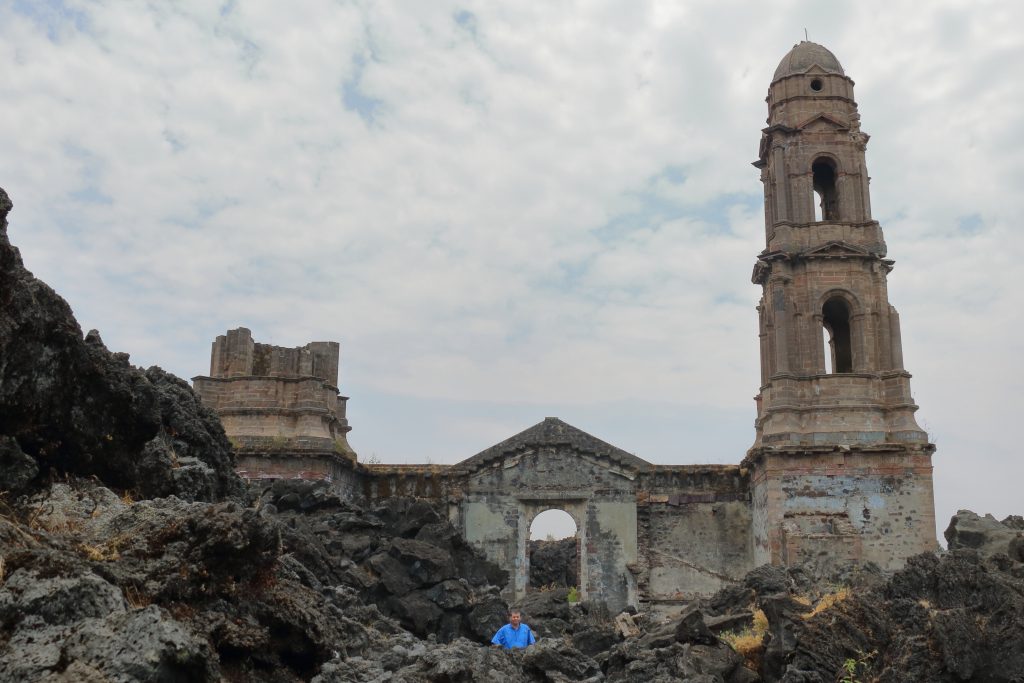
(543, 209)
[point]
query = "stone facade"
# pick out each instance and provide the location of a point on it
(839, 469)
(649, 535)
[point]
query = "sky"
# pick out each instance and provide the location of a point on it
(505, 211)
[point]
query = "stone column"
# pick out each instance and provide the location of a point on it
(780, 187)
(818, 347)
(781, 321)
(895, 340)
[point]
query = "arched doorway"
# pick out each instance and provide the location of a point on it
(553, 550)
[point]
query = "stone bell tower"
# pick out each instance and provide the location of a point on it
(840, 468)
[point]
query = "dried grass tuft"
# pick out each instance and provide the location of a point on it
(827, 602)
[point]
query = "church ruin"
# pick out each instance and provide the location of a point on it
(839, 469)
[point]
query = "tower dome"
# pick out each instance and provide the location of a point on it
(803, 56)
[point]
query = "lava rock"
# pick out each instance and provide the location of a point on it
(986, 535)
(17, 470)
(692, 629)
(768, 579)
(424, 564)
(57, 599)
(75, 407)
(554, 563)
(488, 614)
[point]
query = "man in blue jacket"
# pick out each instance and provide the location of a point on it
(514, 634)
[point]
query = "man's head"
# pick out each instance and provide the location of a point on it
(514, 618)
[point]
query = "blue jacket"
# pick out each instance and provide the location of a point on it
(509, 637)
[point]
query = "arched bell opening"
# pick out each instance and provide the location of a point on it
(826, 205)
(835, 321)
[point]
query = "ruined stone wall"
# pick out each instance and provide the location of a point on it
(235, 354)
(339, 471)
(695, 530)
(278, 403)
(259, 410)
(831, 506)
(644, 537)
(501, 501)
(379, 482)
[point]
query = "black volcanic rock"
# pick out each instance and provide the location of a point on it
(75, 407)
(954, 617)
(554, 564)
(986, 535)
(17, 470)
(398, 554)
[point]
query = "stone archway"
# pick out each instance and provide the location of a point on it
(552, 551)
(529, 510)
(555, 465)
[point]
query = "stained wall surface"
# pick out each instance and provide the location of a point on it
(695, 530)
(839, 505)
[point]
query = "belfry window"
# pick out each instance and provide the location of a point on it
(835, 319)
(826, 207)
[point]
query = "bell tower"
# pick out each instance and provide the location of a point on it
(840, 468)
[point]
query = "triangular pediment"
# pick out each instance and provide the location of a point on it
(553, 432)
(838, 249)
(816, 69)
(823, 121)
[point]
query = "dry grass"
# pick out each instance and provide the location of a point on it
(108, 551)
(760, 622)
(827, 602)
(746, 643)
(32, 521)
(749, 643)
(58, 524)
(136, 599)
(99, 553)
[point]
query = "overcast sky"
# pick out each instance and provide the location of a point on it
(506, 211)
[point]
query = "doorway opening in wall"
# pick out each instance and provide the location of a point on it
(553, 549)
